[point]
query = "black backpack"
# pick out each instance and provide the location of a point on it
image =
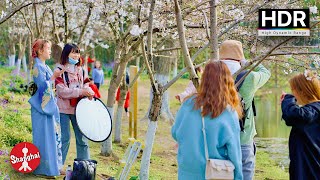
(244, 111)
(84, 169)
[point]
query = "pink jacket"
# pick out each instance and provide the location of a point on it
(76, 88)
(190, 90)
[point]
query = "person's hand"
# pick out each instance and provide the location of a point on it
(282, 96)
(88, 92)
(90, 97)
(57, 72)
(178, 98)
(243, 62)
(176, 146)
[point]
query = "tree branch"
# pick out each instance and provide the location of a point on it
(282, 61)
(262, 57)
(172, 49)
(250, 13)
(137, 76)
(259, 59)
(152, 80)
(206, 24)
(183, 44)
(181, 73)
(285, 47)
(149, 35)
(54, 30)
(213, 31)
(85, 23)
(36, 19)
(195, 7)
(42, 19)
(25, 19)
(16, 9)
(294, 53)
(66, 33)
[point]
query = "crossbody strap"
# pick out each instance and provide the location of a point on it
(204, 137)
(65, 76)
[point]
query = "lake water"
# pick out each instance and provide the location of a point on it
(273, 134)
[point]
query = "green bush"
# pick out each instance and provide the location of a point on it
(3, 90)
(11, 136)
(14, 84)
(3, 60)
(15, 125)
(109, 73)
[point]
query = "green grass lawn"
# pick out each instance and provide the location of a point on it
(163, 160)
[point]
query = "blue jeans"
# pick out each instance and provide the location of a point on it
(81, 141)
(248, 160)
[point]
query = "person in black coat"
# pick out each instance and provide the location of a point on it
(302, 111)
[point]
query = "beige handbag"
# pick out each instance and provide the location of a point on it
(216, 168)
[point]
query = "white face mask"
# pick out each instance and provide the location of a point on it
(233, 66)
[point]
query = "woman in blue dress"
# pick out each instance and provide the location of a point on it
(45, 113)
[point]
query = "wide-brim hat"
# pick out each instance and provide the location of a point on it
(231, 49)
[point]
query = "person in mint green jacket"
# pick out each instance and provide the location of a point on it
(231, 53)
(221, 107)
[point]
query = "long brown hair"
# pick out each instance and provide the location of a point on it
(308, 90)
(217, 90)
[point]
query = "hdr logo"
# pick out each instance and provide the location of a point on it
(284, 22)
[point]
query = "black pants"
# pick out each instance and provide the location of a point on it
(98, 85)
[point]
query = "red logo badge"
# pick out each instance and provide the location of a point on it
(25, 157)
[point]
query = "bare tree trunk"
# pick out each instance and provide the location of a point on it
(117, 121)
(145, 161)
(85, 64)
(162, 66)
(24, 64)
(150, 135)
(36, 19)
(156, 100)
(276, 75)
(165, 113)
(138, 62)
(56, 52)
(117, 74)
(22, 50)
(18, 67)
(30, 64)
(106, 146)
(175, 66)
(66, 31)
(213, 31)
(12, 55)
